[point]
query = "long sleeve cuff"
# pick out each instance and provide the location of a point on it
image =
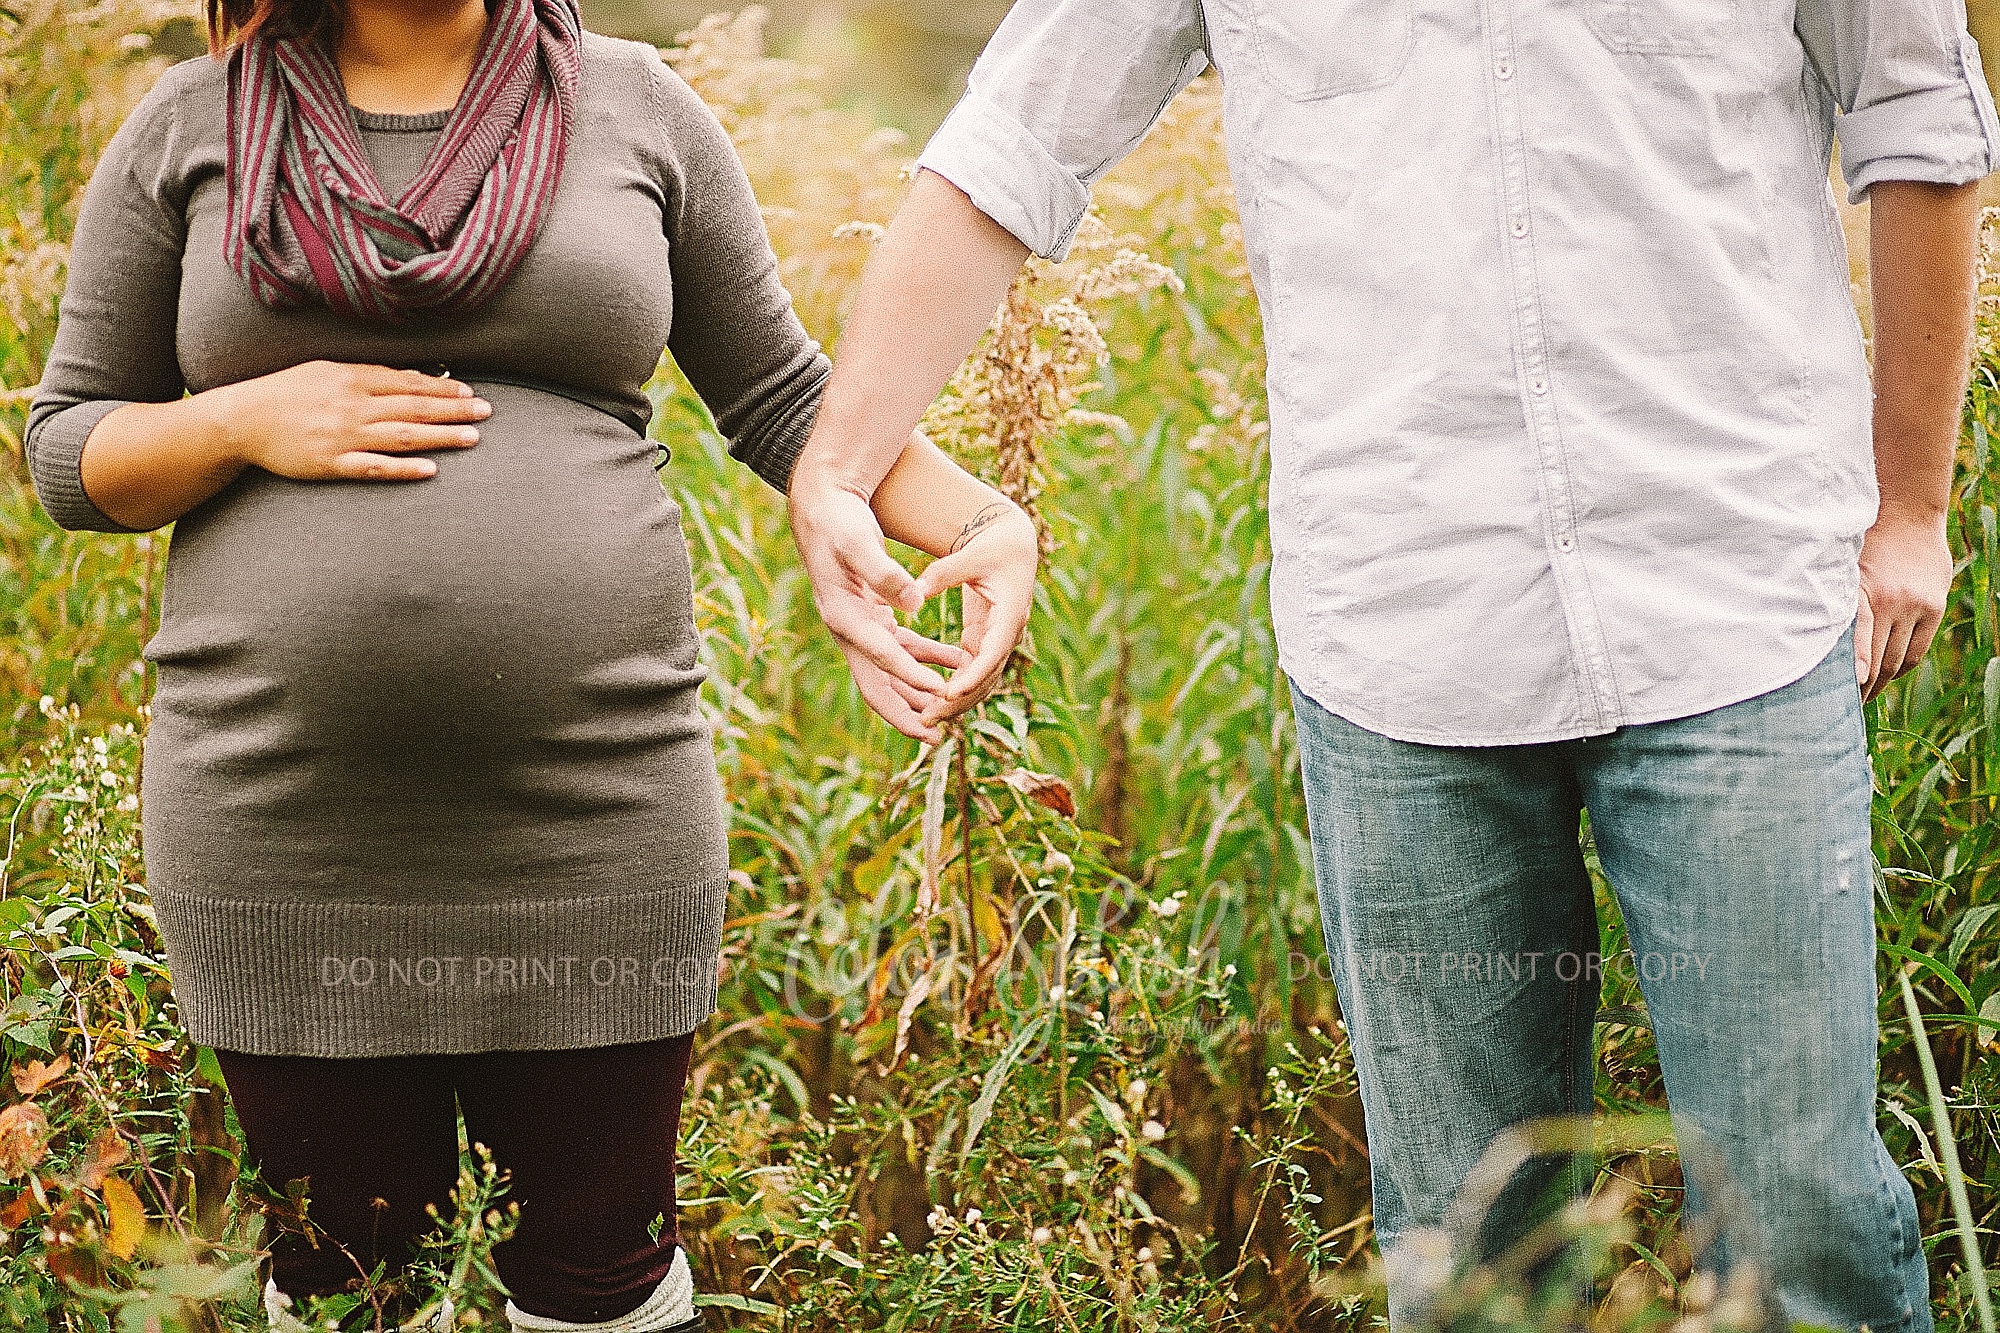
(1946, 134)
(772, 449)
(1008, 175)
(55, 462)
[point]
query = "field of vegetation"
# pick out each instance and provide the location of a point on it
(1028, 1030)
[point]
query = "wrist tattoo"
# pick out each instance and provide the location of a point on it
(979, 520)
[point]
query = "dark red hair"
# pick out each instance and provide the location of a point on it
(232, 21)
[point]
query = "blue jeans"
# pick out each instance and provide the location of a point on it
(1463, 938)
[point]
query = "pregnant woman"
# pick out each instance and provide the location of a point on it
(364, 301)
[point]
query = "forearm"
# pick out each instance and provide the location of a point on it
(1923, 256)
(146, 464)
(931, 503)
(928, 293)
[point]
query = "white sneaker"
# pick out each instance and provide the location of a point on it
(278, 1310)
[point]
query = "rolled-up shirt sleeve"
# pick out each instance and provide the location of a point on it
(1908, 80)
(1061, 94)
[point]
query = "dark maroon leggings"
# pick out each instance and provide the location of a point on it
(589, 1137)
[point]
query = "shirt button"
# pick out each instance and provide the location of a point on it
(1538, 386)
(1520, 226)
(1564, 543)
(1504, 68)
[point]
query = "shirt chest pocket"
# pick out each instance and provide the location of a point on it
(1664, 27)
(1312, 49)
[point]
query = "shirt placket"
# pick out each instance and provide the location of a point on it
(1590, 659)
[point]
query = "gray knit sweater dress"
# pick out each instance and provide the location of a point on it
(426, 770)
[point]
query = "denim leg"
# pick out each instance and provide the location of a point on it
(1449, 879)
(1738, 843)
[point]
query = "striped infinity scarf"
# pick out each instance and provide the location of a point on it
(307, 219)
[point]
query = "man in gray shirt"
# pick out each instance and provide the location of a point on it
(1579, 500)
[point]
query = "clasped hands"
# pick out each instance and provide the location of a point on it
(987, 547)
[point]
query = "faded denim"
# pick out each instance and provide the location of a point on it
(1737, 841)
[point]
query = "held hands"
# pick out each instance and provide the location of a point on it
(334, 421)
(858, 587)
(1906, 569)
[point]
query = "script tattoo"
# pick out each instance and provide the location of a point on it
(979, 520)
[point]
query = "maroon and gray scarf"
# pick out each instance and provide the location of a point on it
(307, 218)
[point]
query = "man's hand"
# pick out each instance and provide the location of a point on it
(987, 547)
(939, 273)
(1922, 247)
(858, 588)
(1905, 577)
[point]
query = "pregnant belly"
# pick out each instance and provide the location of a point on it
(516, 628)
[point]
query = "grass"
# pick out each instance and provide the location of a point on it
(1020, 1032)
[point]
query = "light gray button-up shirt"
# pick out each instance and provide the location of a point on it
(1570, 414)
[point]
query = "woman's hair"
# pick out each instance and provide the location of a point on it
(232, 21)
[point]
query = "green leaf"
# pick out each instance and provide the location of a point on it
(210, 1067)
(1190, 1187)
(785, 1075)
(996, 1078)
(1935, 968)
(27, 1020)
(1968, 927)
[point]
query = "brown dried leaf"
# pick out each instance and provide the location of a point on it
(907, 1013)
(159, 1057)
(1043, 789)
(24, 1138)
(36, 1075)
(928, 894)
(16, 1211)
(76, 1265)
(106, 1151)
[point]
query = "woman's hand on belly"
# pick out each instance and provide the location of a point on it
(332, 421)
(146, 464)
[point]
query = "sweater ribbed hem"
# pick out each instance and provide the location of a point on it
(55, 462)
(351, 979)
